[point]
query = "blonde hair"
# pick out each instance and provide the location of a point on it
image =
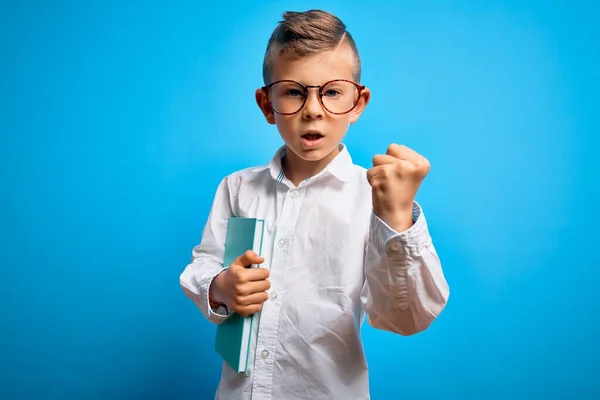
(302, 34)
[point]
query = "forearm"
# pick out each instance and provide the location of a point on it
(406, 288)
(207, 257)
(196, 281)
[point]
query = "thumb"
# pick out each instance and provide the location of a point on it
(249, 257)
(382, 159)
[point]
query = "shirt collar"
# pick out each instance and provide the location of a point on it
(341, 167)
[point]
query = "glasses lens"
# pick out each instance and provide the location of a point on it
(340, 97)
(287, 97)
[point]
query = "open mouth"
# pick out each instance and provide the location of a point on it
(311, 136)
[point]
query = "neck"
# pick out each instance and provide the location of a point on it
(298, 170)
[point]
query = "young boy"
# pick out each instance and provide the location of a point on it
(342, 242)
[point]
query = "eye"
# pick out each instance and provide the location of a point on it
(332, 93)
(294, 93)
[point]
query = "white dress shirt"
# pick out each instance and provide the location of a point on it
(332, 262)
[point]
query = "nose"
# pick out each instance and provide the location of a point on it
(312, 108)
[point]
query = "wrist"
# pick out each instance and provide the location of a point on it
(400, 221)
(214, 294)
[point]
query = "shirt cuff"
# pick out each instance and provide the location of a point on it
(401, 243)
(215, 314)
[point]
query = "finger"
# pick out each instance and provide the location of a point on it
(379, 171)
(403, 153)
(246, 311)
(244, 289)
(255, 298)
(382, 159)
(374, 172)
(256, 286)
(384, 172)
(248, 258)
(256, 274)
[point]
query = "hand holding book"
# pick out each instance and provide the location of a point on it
(241, 289)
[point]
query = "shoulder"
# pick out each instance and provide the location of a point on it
(244, 186)
(248, 174)
(246, 179)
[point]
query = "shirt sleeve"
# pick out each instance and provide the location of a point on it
(405, 288)
(207, 257)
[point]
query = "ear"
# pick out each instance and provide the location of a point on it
(263, 103)
(365, 96)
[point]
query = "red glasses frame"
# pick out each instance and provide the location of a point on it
(358, 86)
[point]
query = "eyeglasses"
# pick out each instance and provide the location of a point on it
(338, 96)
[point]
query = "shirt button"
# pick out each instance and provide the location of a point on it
(273, 295)
(264, 353)
(282, 242)
(294, 194)
(395, 246)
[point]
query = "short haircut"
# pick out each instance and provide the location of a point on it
(302, 34)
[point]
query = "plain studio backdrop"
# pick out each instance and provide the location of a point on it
(118, 120)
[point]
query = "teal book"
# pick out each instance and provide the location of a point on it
(232, 341)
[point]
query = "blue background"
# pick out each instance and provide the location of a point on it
(118, 121)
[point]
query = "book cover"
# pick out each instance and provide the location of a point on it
(232, 340)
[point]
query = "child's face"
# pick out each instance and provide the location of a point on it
(313, 118)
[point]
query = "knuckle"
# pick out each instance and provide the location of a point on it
(240, 290)
(246, 289)
(389, 170)
(426, 165)
(237, 271)
(244, 278)
(383, 172)
(418, 169)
